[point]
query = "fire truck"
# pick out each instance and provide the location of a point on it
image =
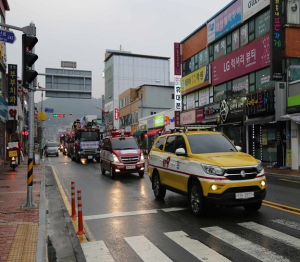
(121, 154)
(86, 139)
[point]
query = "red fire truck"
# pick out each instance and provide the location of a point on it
(86, 139)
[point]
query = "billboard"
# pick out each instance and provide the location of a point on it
(249, 58)
(177, 59)
(250, 8)
(224, 22)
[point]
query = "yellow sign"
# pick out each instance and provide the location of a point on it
(41, 116)
(264, 134)
(12, 153)
(195, 80)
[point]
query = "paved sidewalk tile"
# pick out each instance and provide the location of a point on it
(18, 226)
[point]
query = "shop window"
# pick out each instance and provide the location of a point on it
(251, 30)
(220, 92)
(262, 24)
(220, 48)
(192, 64)
(244, 35)
(235, 39)
(196, 66)
(203, 58)
(263, 79)
(211, 53)
(183, 69)
(228, 43)
(197, 99)
(184, 103)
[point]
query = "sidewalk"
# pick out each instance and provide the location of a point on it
(18, 226)
(23, 232)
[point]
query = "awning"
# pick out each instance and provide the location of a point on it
(154, 131)
(295, 117)
(139, 133)
(259, 120)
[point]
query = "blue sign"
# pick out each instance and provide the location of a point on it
(3, 108)
(49, 110)
(7, 36)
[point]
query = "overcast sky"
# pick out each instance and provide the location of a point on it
(81, 31)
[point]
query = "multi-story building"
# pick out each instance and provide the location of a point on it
(234, 74)
(142, 101)
(3, 86)
(124, 70)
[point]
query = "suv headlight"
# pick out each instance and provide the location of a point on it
(142, 157)
(259, 167)
(116, 160)
(213, 170)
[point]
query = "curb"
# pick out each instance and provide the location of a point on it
(291, 177)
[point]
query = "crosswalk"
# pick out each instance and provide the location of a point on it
(152, 252)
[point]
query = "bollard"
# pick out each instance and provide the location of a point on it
(80, 219)
(73, 199)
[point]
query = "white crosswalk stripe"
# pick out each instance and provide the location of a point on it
(96, 251)
(149, 252)
(246, 246)
(199, 250)
(291, 224)
(274, 234)
(146, 250)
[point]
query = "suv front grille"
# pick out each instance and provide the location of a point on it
(130, 159)
(90, 151)
(241, 173)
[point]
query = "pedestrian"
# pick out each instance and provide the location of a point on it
(19, 151)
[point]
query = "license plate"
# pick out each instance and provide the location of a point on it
(90, 157)
(130, 167)
(244, 195)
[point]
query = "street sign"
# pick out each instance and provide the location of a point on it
(7, 36)
(49, 110)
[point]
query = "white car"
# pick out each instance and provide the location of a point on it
(51, 148)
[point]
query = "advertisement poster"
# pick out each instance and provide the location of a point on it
(247, 59)
(224, 22)
(195, 80)
(289, 158)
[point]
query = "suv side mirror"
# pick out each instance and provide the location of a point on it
(180, 152)
(238, 148)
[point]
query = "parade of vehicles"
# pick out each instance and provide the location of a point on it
(86, 139)
(204, 165)
(121, 154)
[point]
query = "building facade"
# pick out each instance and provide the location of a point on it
(124, 70)
(3, 86)
(145, 100)
(236, 70)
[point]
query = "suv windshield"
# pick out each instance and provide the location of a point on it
(209, 143)
(54, 144)
(122, 144)
(89, 136)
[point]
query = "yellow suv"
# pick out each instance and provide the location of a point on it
(204, 165)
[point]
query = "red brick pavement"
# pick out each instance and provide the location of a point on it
(13, 194)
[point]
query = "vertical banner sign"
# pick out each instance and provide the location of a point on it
(116, 114)
(177, 93)
(12, 85)
(276, 39)
(177, 118)
(177, 59)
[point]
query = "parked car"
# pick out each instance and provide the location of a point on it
(51, 148)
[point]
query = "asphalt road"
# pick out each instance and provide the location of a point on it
(124, 222)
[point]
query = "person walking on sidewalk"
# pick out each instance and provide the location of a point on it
(19, 149)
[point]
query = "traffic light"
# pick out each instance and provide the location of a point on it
(58, 115)
(28, 59)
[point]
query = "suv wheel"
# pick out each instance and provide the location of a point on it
(112, 173)
(158, 190)
(253, 207)
(197, 204)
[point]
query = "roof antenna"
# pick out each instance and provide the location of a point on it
(121, 49)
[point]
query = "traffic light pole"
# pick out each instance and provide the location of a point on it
(30, 201)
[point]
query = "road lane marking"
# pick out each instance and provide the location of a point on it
(288, 209)
(291, 224)
(131, 213)
(272, 233)
(96, 251)
(196, 248)
(293, 181)
(244, 245)
(146, 250)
